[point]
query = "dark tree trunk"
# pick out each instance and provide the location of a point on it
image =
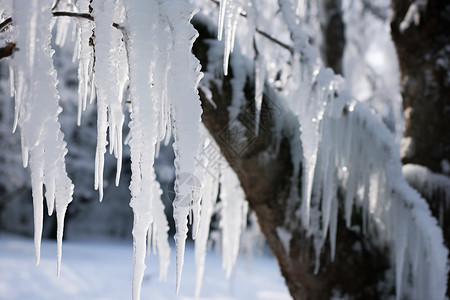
(265, 175)
(333, 32)
(424, 55)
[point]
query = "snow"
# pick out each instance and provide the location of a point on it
(430, 185)
(102, 270)
(412, 15)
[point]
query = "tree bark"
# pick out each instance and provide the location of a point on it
(424, 56)
(424, 52)
(333, 31)
(264, 167)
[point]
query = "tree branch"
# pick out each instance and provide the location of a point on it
(5, 24)
(8, 50)
(89, 17)
(73, 14)
(264, 34)
(264, 167)
(270, 38)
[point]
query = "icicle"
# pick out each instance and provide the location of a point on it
(142, 129)
(231, 223)
(346, 145)
(37, 175)
(400, 249)
(11, 80)
(184, 76)
(109, 79)
(238, 82)
(37, 113)
(210, 192)
(158, 75)
(85, 55)
(228, 19)
(259, 87)
(161, 228)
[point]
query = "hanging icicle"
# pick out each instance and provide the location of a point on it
(37, 113)
(110, 77)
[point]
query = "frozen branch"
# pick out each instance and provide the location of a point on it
(5, 24)
(10, 47)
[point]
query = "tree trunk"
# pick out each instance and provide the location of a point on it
(424, 55)
(333, 32)
(264, 167)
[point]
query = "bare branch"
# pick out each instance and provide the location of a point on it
(73, 14)
(265, 34)
(5, 24)
(10, 47)
(270, 38)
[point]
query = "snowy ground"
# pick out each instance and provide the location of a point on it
(103, 270)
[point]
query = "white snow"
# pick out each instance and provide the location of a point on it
(102, 270)
(430, 185)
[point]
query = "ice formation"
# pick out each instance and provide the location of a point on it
(351, 149)
(233, 217)
(431, 185)
(228, 19)
(209, 198)
(413, 14)
(37, 110)
(85, 55)
(344, 144)
(109, 78)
